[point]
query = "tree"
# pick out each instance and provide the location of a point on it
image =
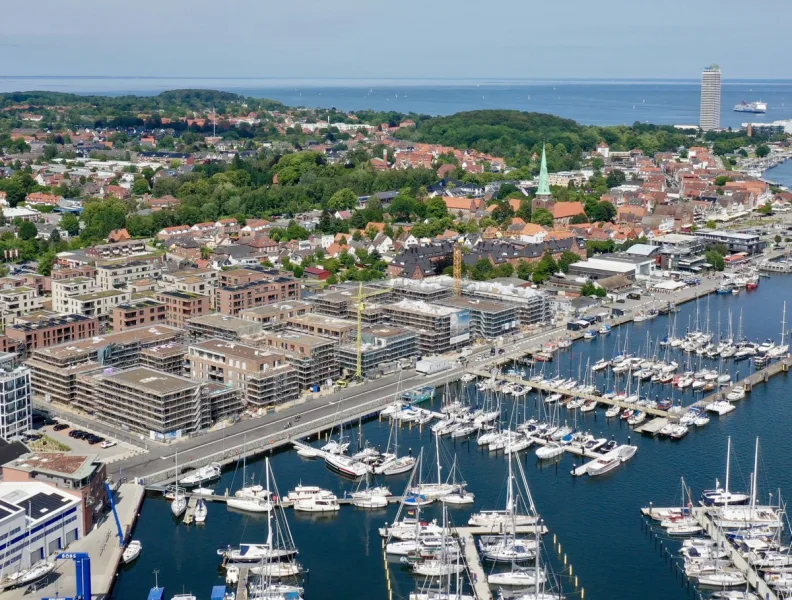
(765, 209)
(577, 219)
(70, 224)
(762, 150)
(357, 236)
(544, 268)
(524, 212)
(590, 289)
(482, 270)
(436, 208)
(344, 199)
(615, 178)
(46, 261)
(566, 259)
(102, 217)
(711, 224)
(27, 231)
(777, 239)
(722, 180)
(543, 217)
(524, 270)
(140, 186)
(55, 237)
(715, 259)
(50, 151)
(601, 211)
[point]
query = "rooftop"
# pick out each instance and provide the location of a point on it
(226, 322)
(290, 336)
(348, 294)
(164, 351)
(97, 295)
(76, 466)
(489, 306)
(278, 307)
(151, 381)
(130, 336)
(421, 307)
(33, 498)
(234, 349)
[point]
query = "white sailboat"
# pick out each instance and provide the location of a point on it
(201, 475)
(200, 511)
(179, 502)
(434, 490)
(390, 463)
(132, 551)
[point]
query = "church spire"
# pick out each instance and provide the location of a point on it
(544, 187)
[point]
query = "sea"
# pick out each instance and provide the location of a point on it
(604, 540)
(588, 101)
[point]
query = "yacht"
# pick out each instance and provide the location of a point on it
(201, 475)
(721, 407)
(200, 511)
(346, 466)
(302, 492)
(132, 551)
(251, 504)
(324, 502)
(518, 577)
(254, 553)
(550, 450)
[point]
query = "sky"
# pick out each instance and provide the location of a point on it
(459, 39)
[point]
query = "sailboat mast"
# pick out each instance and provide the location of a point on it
(753, 483)
(728, 467)
(437, 451)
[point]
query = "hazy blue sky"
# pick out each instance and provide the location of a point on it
(406, 38)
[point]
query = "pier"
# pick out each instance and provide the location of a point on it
(781, 365)
(573, 393)
(478, 578)
(242, 584)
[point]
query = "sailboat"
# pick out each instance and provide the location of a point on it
(253, 498)
(35, 571)
(370, 497)
(720, 496)
(390, 463)
(255, 553)
(200, 511)
(434, 490)
(179, 502)
(461, 496)
(783, 347)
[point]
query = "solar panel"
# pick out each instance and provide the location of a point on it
(42, 504)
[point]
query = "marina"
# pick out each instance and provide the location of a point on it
(349, 534)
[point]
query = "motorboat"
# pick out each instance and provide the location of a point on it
(613, 411)
(550, 450)
(302, 492)
(132, 551)
(518, 577)
(410, 527)
(324, 502)
(721, 407)
(738, 393)
(339, 446)
(372, 501)
(200, 511)
(346, 466)
(394, 465)
(201, 475)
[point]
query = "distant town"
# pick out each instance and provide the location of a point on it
(177, 264)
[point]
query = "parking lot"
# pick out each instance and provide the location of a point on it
(118, 451)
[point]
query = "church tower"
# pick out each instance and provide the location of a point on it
(543, 198)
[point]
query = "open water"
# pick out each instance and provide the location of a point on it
(596, 102)
(596, 520)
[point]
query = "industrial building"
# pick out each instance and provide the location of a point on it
(266, 378)
(381, 344)
(631, 266)
(439, 328)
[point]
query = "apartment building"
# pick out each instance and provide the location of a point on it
(234, 298)
(137, 314)
(342, 303)
(220, 326)
(182, 306)
(381, 344)
(88, 271)
(116, 249)
(266, 378)
(97, 304)
(342, 330)
(274, 316)
(439, 328)
(17, 301)
(489, 319)
(159, 405)
(314, 358)
(168, 358)
(46, 330)
(532, 305)
(15, 407)
(119, 274)
(55, 370)
(63, 289)
(193, 281)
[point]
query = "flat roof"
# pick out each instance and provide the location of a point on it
(41, 321)
(129, 336)
(490, 306)
(34, 499)
(234, 349)
(151, 380)
(183, 295)
(615, 266)
(728, 234)
(296, 337)
(76, 466)
(317, 319)
(165, 351)
(421, 307)
(348, 294)
(145, 303)
(222, 321)
(675, 238)
(276, 308)
(99, 294)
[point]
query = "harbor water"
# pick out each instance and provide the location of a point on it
(596, 520)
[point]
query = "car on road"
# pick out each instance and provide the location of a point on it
(60, 427)
(107, 444)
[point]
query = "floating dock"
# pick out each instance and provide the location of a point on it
(481, 588)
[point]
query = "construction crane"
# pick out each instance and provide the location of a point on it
(360, 308)
(457, 269)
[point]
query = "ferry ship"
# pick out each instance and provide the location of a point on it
(751, 107)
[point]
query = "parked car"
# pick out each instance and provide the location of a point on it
(60, 427)
(107, 444)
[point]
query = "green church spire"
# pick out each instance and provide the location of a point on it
(544, 186)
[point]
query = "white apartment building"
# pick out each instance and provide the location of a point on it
(116, 276)
(14, 302)
(15, 405)
(710, 98)
(36, 521)
(96, 304)
(63, 289)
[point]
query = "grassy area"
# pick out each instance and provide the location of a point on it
(48, 444)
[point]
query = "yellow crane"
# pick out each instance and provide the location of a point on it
(360, 308)
(457, 269)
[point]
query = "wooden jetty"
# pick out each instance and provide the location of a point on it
(189, 514)
(478, 577)
(242, 584)
(653, 426)
(748, 383)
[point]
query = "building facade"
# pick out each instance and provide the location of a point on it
(439, 328)
(138, 314)
(314, 358)
(182, 306)
(710, 98)
(51, 330)
(15, 392)
(118, 275)
(380, 345)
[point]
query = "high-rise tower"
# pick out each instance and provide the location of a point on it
(710, 98)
